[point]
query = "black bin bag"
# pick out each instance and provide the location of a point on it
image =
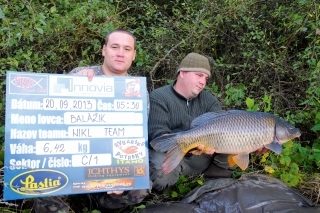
(251, 193)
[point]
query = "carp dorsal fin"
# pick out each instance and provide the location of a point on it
(207, 117)
(212, 115)
(274, 146)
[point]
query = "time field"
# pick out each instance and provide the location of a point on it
(69, 104)
(128, 105)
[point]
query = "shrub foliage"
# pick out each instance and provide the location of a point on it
(264, 55)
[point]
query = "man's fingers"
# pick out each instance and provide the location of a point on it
(90, 75)
(200, 147)
(115, 192)
(88, 72)
(210, 152)
(262, 151)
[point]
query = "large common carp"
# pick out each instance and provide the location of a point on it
(234, 132)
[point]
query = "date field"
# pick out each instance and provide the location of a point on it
(69, 104)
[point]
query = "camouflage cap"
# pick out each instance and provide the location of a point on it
(195, 62)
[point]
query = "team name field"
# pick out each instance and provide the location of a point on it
(105, 131)
(39, 133)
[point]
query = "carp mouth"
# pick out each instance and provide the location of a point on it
(291, 134)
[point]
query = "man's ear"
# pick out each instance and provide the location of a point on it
(134, 56)
(103, 49)
(181, 74)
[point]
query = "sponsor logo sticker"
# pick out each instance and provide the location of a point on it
(39, 182)
(98, 185)
(28, 84)
(80, 86)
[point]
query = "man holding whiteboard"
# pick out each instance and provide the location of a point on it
(119, 52)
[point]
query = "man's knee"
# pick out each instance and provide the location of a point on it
(161, 181)
(195, 164)
(115, 201)
(219, 168)
(155, 159)
(157, 176)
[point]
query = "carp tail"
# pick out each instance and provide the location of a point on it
(172, 159)
(164, 142)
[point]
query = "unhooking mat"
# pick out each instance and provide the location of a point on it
(252, 193)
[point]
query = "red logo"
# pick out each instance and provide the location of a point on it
(25, 82)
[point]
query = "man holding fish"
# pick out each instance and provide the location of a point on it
(189, 133)
(172, 109)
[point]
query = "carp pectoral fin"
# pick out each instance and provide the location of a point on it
(231, 161)
(172, 159)
(242, 160)
(275, 147)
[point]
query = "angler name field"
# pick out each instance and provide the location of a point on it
(70, 118)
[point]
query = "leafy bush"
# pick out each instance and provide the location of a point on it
(264, 56)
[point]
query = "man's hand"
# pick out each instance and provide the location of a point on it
(200, 150)
(115, 192)
(88, 72)
(262, 150)
(210, 152)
